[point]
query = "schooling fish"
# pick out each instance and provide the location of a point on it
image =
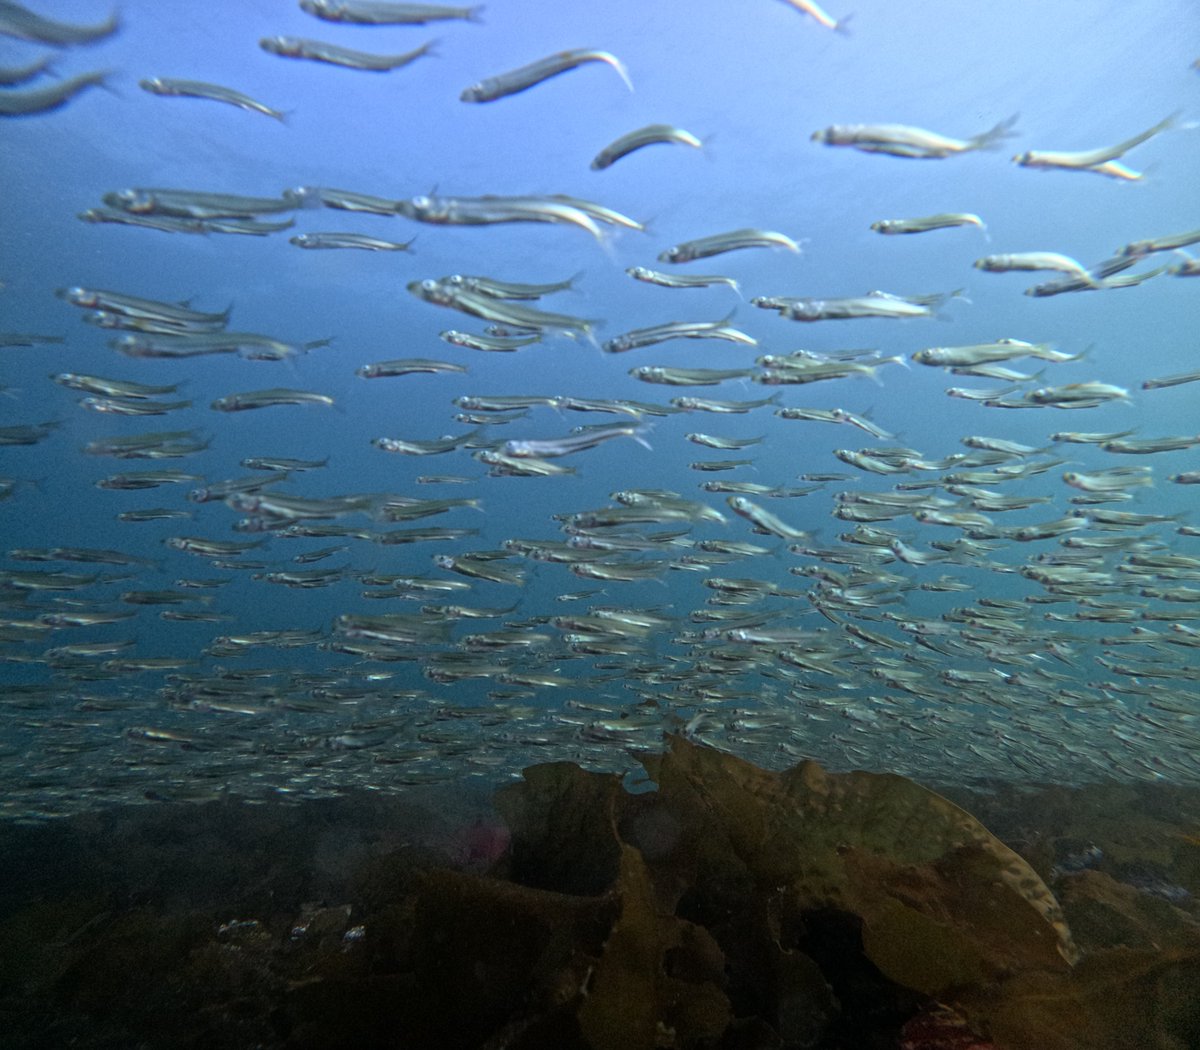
(525, 77)
(19, 22)
(46, 99)
(334, 55)
(901, 140)
(1102, 161)
(170, 87)
(647, 136)
(380, 12)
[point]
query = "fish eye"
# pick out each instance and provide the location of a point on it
(421, 202)
(429, 285)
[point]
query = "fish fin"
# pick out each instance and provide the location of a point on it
(102, 81)
(840, 25)
(622, 72)
(992, 138)
(473, 14)
(315, 343)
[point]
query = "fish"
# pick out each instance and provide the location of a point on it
(1178, 379)
(763, 520)
(1170, 243)
(980, 353)
(496, 289)
(19, 22)
(491, 210)
(902, 140)
(254, 399)
(195, 204)
(406, 366)
(704, 404)
(1035, 261)
(873, 304)
(687, 376)
(47, 99)
(173, 88)
(525, 77)
(649, 135)
(250, 345)
(641, 337)
(382, 12)
(472, 341)
(348, 240)
(1078, 392)
(819, 15)
(434, 447)
(1096, 160)
(666, 280)
(175, 315)
(734, 240)
(342, 200)
(13, 75)
(503, 312)
(8, 339)
(125, 388)
(565, 446)
(336, 55)
(941, 221)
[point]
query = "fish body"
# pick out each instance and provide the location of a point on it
(943, 221)
(902, 140)
(667, 280)
(687, 376)
(267, 398)
(639, 139)
(472, 341)
(347, 240)
(985, 353)
(495, 289)
(195, 204)
(19, 22)
(640, 337)
(819, 15)
(552, 449)
(1035, 261)
(1094, 160)
(176, 315)
(525, 77)
(406, 366)
(876, 304)
(763, 520)
(336, 55)
(704, 247)
(12, 75)
(171, 87)
(381, 12)
(506, 313)
(52, 97)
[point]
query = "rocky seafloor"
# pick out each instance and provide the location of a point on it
(716, 905)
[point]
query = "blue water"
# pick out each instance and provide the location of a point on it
(753, 80)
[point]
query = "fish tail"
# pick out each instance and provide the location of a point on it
(622, 72)
(991, 139)
(472, 14)
(840, 25)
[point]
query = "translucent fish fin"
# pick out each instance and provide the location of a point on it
(622, 72)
